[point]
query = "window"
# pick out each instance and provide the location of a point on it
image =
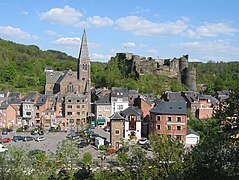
(37, 107)
(169, 128)
(69, 106)
(78, 100)
(158, 118)
(169, 137)
(132, 122)
(120, 107)
(169, 119)
(83, 106)
(151, 117)
(78, 113)
(83, 113)
(28, 113)
(117, 132)
(179, 128)
(69, 113)
(78, 106)
(37, 115)
(178, 137)
(158, 127)
(151, 125)
(70, 87)
(179, 119)
(69, 100)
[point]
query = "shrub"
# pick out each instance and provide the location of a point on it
(19, 129)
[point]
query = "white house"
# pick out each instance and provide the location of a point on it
(192, 138)
(119, 99)
(132, 123)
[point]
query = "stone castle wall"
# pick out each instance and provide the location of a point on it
(174, 68)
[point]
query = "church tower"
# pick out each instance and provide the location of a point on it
(83, 66)
(83, 71)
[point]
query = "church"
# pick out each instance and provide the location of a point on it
(73, 86)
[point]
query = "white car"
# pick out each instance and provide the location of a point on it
(2, 148)
(143, 141)
(40, 138)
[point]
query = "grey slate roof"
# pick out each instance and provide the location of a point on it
(173, 96)
(4, 105)
(116, 116)
(41, 99)
(191, 131)
(132, 110)
(176, 107)
(123, 92)
(30, 96)
(52, 77)
(15, 94)
(103, 99)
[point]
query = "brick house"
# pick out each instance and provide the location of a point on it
(8, 115)
(116, 130)
(169, 118)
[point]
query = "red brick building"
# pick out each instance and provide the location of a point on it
(169, 118)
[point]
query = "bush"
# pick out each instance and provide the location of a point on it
(19, 129)
(103, 147)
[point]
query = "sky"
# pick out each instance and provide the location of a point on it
(207, 30)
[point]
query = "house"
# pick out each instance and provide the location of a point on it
(207, 106)
(132, 123)
(192, 100)
(102, 109)
(116, 130)
(76, 109)
(192, 138)
(119, 99)
(27, 108)
(8, 115)
(169, 118)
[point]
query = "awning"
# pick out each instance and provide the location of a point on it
(101, 120)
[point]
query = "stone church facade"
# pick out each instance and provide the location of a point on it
(73, 84)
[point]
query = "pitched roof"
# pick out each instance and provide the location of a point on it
(173, 96)
(132, 110)
(52, 77)
(84, 54)
(116, 116)
(103, 99)
(41, 99)
(175, 107)
(30, 96)
(191, 131)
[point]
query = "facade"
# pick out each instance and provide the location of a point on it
(119, 99)
(192, 138)
(169, 118)
(76, 109)
(132, 123)
(8, 116)
(116, 130)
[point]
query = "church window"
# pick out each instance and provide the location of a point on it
(70, 87)
(84, 67)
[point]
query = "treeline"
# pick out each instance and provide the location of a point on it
(22, 69)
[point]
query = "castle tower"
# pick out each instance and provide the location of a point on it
(191, 79)
(83, 66)
(83, 70)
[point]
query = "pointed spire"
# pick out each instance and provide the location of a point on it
(83, 55)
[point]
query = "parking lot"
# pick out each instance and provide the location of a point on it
(52, 140)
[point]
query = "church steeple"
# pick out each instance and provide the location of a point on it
(83, 65)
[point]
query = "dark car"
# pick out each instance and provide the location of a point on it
(4, 132)
(72, 136)
(34, 132)
(28, 138)
(17, 138)
(82, 143)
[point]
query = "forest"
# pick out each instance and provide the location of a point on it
(22, 69)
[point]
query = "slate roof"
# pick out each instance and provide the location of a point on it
(41, 99)
(4, 105)
(132, 110)
(173, 96)
(191, 131)
(205, 97)
(15, 94)
(103, 99)
(14, 100)
(52, 77)
(30, 96)
(116, 116)
(176, 107)
(76, 96)
(116, 90)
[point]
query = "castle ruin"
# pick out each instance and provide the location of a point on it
(178, 68)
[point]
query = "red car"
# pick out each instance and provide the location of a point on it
(6, 140)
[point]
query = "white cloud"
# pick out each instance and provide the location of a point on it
(153, 51)
(211, 30)
(100, 21)
(51, 33)
(142, 27)
(128, 45)
(99, 57)
(25, 12)
(15, 33)
(67, 41)
(67, 15)
(218, 46)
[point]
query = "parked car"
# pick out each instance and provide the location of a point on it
(6, 140)
(34, 132)
(17, 138)
(40, 138)
(143, 141)
(2, 148)
(28, 138)
(4, 132)
(72, 136)
(107, 128)
(82, 143)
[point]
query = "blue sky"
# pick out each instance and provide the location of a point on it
(206, 30)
